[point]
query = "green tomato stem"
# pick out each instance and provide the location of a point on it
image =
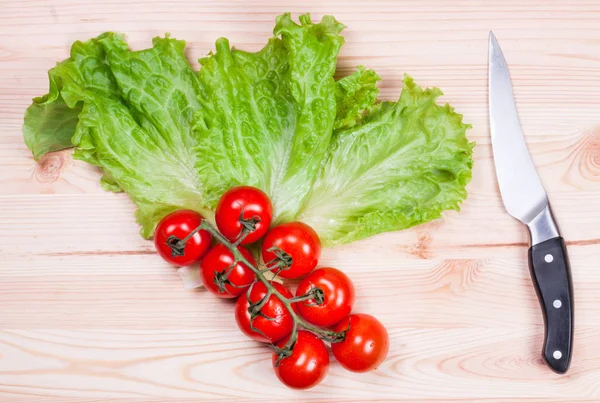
(301, 298)
(325, 334)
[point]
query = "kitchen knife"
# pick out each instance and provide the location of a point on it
(526, 200)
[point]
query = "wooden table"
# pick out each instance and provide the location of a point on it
(89, 313)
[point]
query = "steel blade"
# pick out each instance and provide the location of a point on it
(522, 192)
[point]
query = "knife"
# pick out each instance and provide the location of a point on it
(526, 200)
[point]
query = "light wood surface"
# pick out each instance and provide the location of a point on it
(89, 313)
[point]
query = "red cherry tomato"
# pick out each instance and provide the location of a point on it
(299, 241)
(221, 277)
(365, 346)
(269, 330)
(337, 293)
(244, 204)
(308, 364)
(174, 228)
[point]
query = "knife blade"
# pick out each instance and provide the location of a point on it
(525, 199)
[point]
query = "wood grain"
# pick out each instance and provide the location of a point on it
(88, 312)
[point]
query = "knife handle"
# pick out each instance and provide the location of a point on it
(551, 274)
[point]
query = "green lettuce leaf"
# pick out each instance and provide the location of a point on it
(406, 163)
(135, 118)
(267, 117)
(143, 138)
(49, 123)
(354, 95)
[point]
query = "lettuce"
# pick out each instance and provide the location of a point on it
(49, 123)
(135, 121)
(326, 152)
(267, 117)
(354, 95)
(407, 163)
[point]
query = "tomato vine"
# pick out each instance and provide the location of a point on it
(325, 334)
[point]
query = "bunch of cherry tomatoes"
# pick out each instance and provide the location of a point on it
(295, 325)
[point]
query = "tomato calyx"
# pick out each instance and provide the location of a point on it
(221, 279)
(283, 353)
(315, 294)
(288, 348)
(334, 337)
(282, 261)
(177, 247)
(255, 310)
(255, 307)
(248, 225)
(341, 335)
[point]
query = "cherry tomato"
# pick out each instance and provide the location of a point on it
(270, 330)
(221, 276)
(308, 364)
(337, 293)
(366, 343)
(174, 228)
(244, 205)
(299, 241)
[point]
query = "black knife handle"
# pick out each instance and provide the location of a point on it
(551, 274)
